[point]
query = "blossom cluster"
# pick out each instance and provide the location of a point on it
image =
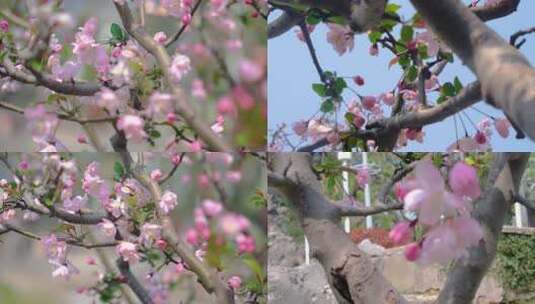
(130, 215)
(443, 214)
(120, 66)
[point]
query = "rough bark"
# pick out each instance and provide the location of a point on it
(506, 76)
(466, 274)
(351, 275)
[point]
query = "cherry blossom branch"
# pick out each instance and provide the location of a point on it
(312, 51)
(284, 23)
(132, 281)
(506, 76)
(207, 278)
(468, 96)
(30, 235)
(48, 81)
(184, 108)
(496, 10)
(354, 210)
(175, 37)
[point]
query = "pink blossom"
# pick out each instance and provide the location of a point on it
(160, 38)
(4, 25)
(401, 233)
(389, 98)
(65, 270)
(81, 138)
(413, 252)
(234, 282)
(192, 237)
(243, 98)
(107, 99)
(480, 138)
(128, 251)
(156, 174)
(74, 204)
(197, 89)
(150, 233)
(246, 243)
(358, 80)
(464, 181)
(90, 260)
(233, 176)
(341, 38)
(502, 126)
(369, 102)
(429, 198)
(300, 127)
(225, 105)
(160, 104)
(211, 207)
(180, 66)
(250, 71)
(108, 228)
(93, 184)
(132, 126)
(168, 202)
(195, 146)
(363, 177)
(55, 250)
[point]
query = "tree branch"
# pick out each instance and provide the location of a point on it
(506, 76)
(184, 108)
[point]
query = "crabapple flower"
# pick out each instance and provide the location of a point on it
(180, 66)
(4, 25)
(300, 127)
(93, 184)
(246, 243)
(369, 102)
(341, 38)
(211, 207)
(168, 202)
(502, 126)
(108, 228)
(250, 71)
(156, 175)
(128, 251)
(363, 177)
(74, 204)
(401, 233)
(132, 126)
(413, 252)
(192, 237)
(464, 181)
(107, 99)
(160, 38)
(160, 104)
(234, 282)
(150, 233)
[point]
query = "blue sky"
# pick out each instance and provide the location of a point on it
(291, 74)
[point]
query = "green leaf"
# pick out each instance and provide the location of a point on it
(392, 8)
(337, 20)
(422, 51)
(448, 89)
(119, 171)
(155, 134)
(313, 19)
(320, 89)
(412, 73)
(117, 32)
(404, 61)
(441, 99)
(349, 117)
(339, 85)
(327, 106)
(458, 85)
(374, 36)
(407, 33)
